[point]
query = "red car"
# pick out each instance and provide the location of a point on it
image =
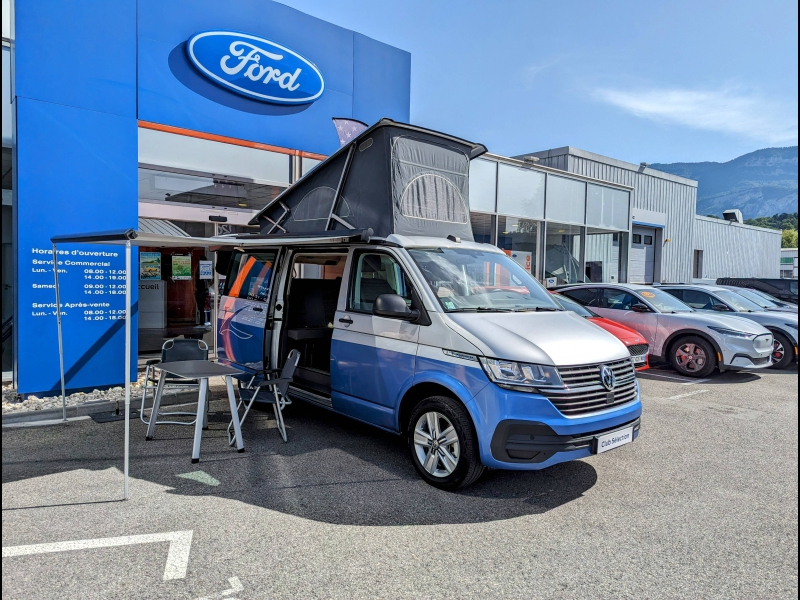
(634, 340)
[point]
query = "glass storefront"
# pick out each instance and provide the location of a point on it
(554, 226)
(606, 256)
(562, 252)
(519, 238)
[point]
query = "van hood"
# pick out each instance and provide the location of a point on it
(547, 338)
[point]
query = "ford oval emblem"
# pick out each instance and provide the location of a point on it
(255, 67)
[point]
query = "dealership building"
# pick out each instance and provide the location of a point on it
(187, 118)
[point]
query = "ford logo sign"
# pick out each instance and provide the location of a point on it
(255, 67)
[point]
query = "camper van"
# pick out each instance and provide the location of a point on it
(367, 267)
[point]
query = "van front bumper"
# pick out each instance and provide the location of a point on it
(532, 443)
(521, 431)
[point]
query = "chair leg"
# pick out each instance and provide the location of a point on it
(231, 438)
(144, 394)
(279, 415)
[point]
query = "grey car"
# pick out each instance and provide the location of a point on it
(722, 300)
(693, 342)
(763, 299)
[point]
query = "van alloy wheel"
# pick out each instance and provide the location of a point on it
(691, 357)
(436, 444)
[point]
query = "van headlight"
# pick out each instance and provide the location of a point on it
(518, 376)
(734, 333)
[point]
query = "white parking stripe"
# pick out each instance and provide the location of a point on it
(180, 543)
(687, 394)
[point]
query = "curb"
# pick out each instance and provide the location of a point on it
(89, 408)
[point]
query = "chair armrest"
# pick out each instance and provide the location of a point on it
(271, 382)
(153, 361)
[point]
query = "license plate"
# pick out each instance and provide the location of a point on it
(615, 439)
(639, 360)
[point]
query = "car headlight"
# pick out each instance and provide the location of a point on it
(734, 333)
(520, 376)
(792, 325)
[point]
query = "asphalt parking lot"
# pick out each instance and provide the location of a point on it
(703, 504)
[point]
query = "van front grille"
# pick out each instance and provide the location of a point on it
(585, 393)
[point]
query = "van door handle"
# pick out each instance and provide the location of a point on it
(347, 320)
(258, 309)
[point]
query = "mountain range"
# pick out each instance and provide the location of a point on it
(759, 184)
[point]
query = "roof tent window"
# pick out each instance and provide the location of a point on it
(316, 206)
(430, 181)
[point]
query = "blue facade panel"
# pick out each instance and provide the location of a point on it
(79, 53)
(381, 81)
(77, 171)
(85, 71)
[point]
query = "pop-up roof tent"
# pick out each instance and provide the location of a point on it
(392, 178)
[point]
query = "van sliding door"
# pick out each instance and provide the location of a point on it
(242, 337)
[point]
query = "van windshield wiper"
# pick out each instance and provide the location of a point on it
(480, 309)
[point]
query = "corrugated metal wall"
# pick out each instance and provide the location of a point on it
(733, 250)
(677, 200)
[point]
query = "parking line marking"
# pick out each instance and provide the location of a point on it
(695, 381)
(180, 543)
(687, 394)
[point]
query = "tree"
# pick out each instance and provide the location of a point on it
(789, 238)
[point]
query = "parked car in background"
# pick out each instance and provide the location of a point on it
(635, 342)
(784, 289)
(694, 343)
(763, 299)
(718, 299)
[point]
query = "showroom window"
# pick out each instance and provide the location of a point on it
(607, 207)
(482, 185)
(606, 255)
(483, 227)
(562, 253)
(519, 238)
(566, 200)
(520, 192)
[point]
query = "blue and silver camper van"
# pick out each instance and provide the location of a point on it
(367, 267)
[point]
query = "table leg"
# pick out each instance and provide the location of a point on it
(151, 426)
(198, 424)
(237, 427)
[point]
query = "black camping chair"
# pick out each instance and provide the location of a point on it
(171, 351)
(267, 387)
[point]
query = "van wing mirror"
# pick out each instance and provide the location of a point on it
(223, 261)
(394, 307)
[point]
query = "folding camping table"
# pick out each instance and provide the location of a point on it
(198, 370)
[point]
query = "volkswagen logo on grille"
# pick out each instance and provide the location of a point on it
(608, 378)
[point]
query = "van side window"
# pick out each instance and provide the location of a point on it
(250, 276)
(375, 274)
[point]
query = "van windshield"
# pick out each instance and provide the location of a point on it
(466, 280)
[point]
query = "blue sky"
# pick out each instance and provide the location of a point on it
(640, 81)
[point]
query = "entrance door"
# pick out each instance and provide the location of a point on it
(372, 358)
(242, 338)
(643, 255)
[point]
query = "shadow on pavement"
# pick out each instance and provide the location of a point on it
(332, 470)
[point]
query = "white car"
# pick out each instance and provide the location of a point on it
(693, 342)
(718, 299)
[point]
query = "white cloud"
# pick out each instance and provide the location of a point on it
(728, 110)
(530, 72)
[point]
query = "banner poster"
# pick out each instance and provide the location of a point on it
(149, 265)
(181, 267)
(206, 269)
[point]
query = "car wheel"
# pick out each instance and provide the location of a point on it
(693, 356)
(443, 443)
(782, 351)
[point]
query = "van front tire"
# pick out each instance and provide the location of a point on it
(443, 443)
